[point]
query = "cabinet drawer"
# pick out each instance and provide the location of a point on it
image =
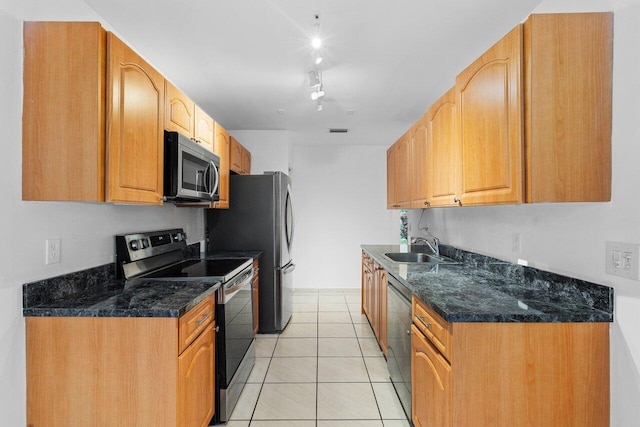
(433, 326)
(193, 322)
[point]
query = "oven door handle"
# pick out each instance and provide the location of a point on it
(230, 291)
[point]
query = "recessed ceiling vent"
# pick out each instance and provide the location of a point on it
(338, 130)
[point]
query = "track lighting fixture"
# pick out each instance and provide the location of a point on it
(315, 75)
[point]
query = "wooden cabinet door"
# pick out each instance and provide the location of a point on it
(382, 310)
(568, 91)
(63, 120)
(490, 125)
(204, 128)
(442, 150)
(135, 135)
(235, 156)
(403, 172)
(391, 177)
(178, 111)
(221, 148)
(196, 381)
(246, 162)
(420, 164)
(431, 399)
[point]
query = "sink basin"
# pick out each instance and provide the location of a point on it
(418, 257)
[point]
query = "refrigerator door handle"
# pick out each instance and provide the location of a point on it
(287, 268)
(289, 233)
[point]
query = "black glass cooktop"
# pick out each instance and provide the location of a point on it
(222, 269)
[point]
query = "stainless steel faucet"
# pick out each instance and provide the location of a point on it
(435, 247)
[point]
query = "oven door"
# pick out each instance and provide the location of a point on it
(236, 314)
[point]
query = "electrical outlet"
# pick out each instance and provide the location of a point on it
(53, 251)
(621, 259)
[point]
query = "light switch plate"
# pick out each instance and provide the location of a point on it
(621, 259)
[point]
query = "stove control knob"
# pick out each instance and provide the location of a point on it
(144, 243)
(134, 245)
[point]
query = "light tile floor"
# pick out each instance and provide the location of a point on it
(324, 370)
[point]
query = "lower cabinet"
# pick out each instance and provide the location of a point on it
(508, 374)
(121, 371)
(196, 374)
(374, 298)
(431, 378)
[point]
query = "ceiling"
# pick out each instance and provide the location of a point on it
(244, 60)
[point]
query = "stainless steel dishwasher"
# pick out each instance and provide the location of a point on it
(399, 341)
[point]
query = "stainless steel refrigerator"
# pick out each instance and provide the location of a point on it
(260, 217)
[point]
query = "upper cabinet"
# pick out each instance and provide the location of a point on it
(568, 77)
(179, 115)
(93, 117)
(182, 115)
(63, 120)
(240, 162)
(443, 167)
(222, 147)
(135, 135)
(398, 174)
(420, 164)
(528, 121)
(204, 129)
(490, 131)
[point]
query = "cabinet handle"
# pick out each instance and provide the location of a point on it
(458, 201)
(203, 318)
(424, 322)
(427, 203)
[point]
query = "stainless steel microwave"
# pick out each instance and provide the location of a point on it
(191, 172)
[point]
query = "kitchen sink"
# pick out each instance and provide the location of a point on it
(418, 257)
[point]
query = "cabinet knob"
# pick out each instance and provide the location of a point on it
(457, 201)
(427, 203)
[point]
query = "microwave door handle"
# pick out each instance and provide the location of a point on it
(216, 179)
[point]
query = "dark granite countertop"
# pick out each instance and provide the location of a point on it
(484, 289)
(96, 293)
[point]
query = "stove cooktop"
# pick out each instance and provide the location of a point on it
(196, 269)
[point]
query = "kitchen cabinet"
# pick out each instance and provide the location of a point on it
(503, 374)
(431, 378)
(568, 87)
(184, 116)
(179, 111)
(369, 300)
(391, 177)
(398, 173)
(113, 371)
(528, 121)
(204, 129)
(381, 288)
(374, 298)
(92, 123)
(135, 127)
(63, 124)
(240, 162)
(490, 125)
(442, 164)
(255, 296)
(420, 166)
(222, 147)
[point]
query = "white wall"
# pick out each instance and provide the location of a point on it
(340, 202)
(270, 149)
(86, 229)
(570, 238)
